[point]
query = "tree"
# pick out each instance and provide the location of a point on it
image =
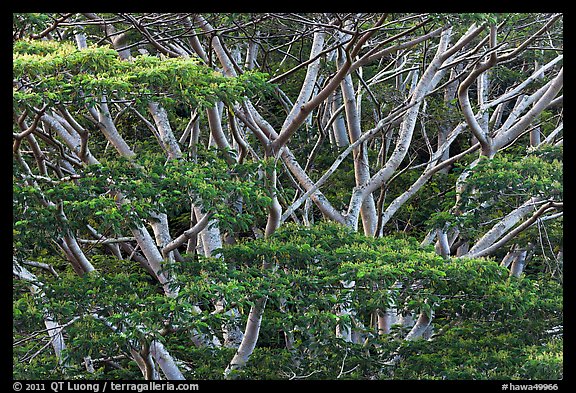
(159, 160)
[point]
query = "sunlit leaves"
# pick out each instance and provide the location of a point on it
(53, 72)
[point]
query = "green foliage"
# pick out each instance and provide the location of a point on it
(33, 22)
(56, 72)
(474, 301)
(233, 193)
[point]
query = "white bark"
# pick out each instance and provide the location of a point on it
(53, 328)
(78, 254)
(338, 125)
(406, 130)
(478, 124)
(210, 235)
(154, 258)
(212, 241)
(251, 54)
(309, 82)
(442, 245)
(101, 239)
(167, 137)
(186, 235)
(156, 350)
(275, 209)
(538, 74)
(231, 332)
(165, 361)
(506, 136)
(503, 226)
(109, 130)
(216, 132)
(72, 140)
(297, 171)
(385, 320)
(216, 45)
(430, 170)
(518, 264)
(360, 153)
(550, 138)
(110, 31)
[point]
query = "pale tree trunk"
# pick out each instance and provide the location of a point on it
(168, 247)
(361, 165)
(444, 128)
(275, 209)
(503, 226)
(146, 365)
(515, 215)
(231, 331)
(478, 124)
(109, 130)
(345, 331)
(252, 329)
(113, 248)
(338, 125)
(78, 254)
(515, 259)
(506, 136)
(118, 40)
(385, 320)
(442, 244)
(77, 138)
(425, 84)
(317, 196)
(483, 86)
(212, 241)
(420, 328)
(551, 138)
(309, 83)
(68, 242)
(518, 264)
(153, 350)
(251, 54)
(193, 243)
(506, 133)
(250, 338)
(165, 361)
(154, 259)
(73, 141)
(210, 237)
(53, 328)
(69, 256)
(217, 136)
(430, 170)
(167, 138)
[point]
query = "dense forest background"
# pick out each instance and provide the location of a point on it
(287, 196)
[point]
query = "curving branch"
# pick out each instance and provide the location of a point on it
(477, 251)
(194, 231)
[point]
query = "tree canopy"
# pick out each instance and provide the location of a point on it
(287, 196)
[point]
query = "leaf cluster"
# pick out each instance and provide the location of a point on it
(54, 72)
